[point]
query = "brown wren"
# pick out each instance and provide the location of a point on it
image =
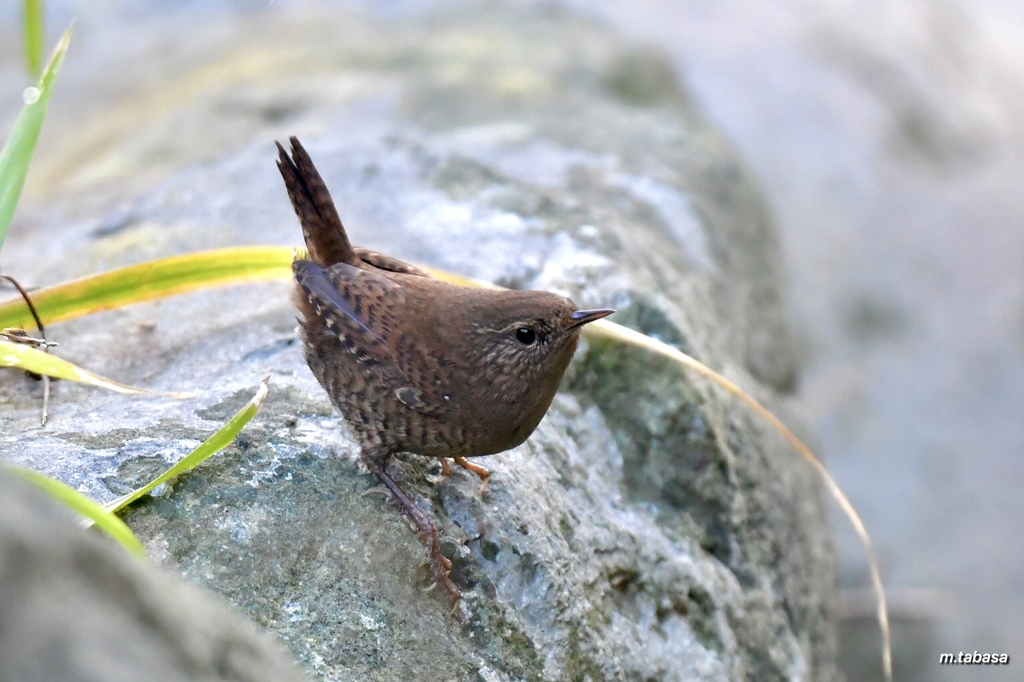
(415, 364)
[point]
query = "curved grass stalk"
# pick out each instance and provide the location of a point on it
(610, 330)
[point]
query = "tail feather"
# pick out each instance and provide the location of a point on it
(326, 240)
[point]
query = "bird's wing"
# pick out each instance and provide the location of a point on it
(362, 309)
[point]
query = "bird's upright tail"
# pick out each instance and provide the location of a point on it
(326, 240)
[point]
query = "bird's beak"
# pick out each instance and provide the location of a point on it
(582, 317)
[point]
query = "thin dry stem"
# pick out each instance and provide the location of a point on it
(46, 345)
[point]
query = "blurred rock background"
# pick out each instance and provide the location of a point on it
(888, 139)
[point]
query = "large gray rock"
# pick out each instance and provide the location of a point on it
(650, 529)
(75, 607)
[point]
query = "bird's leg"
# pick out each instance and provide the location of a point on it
(439, 564)
(480, 471)
(446, 471)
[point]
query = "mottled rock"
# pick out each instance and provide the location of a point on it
(649, 530)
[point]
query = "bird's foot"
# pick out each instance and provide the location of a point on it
(440, 565)
(480, 471)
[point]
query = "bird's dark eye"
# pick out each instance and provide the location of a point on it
(526, 336)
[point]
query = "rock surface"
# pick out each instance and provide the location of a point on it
(75, 607)
(650, 529)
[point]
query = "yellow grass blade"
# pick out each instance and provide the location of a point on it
(149, 281)
(21, 356)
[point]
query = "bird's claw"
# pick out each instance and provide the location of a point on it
(440, 568)
(380, 490)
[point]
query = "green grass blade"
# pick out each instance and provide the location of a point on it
(17, 151)
(93, 511)
(32, 27)
(149, 281)
(20, 356)
(215, 443)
